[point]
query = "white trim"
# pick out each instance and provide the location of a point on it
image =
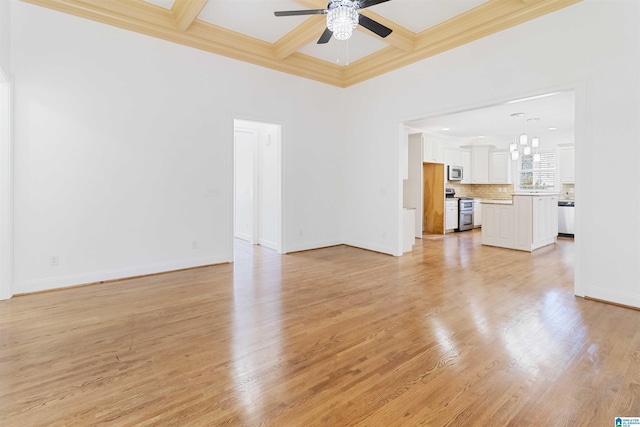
(618, 297)
(268, 244)
(376, 248)
(307, 246)
(400, 192)
(6, 193)
(580, 108)
(115, 274)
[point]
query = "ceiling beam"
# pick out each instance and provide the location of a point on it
(186, 11)
(302, 35)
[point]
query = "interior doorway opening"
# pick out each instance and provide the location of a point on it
(484, 146)
(257, 189)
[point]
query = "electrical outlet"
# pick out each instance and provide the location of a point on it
(384, 235)
(194, 244)
(300, 233)
(54, 261)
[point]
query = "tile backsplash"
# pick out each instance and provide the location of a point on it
(500, 191)
(482, 191)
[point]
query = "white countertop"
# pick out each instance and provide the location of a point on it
(534, 193)
(497, 201)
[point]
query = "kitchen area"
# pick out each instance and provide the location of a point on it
(507, 169)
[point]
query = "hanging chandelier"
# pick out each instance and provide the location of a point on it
(342, 18)
(521, 146)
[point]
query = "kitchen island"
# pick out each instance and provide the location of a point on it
(526, 222)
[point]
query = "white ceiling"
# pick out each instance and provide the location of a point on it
(495, 124)
(255, 18)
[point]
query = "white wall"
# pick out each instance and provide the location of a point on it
(124, 143)
(593, 46)
(124, 149)
(5, 37)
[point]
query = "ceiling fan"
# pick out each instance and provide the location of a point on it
(342, 18)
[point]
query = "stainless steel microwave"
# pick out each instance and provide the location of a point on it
(455, 173)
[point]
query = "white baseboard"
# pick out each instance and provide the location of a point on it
(268, 244)
(49, 283)
(370, 247)
(609, 295)
(312, 245)
(243, 236)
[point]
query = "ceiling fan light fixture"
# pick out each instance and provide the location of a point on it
(342, 18)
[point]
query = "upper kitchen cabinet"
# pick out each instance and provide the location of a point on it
(465, 162)
(457, 157)
(433, 149)
(567, 165)
(480, 165)
(500, 167)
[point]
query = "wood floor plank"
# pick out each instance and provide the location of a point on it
(453, 333)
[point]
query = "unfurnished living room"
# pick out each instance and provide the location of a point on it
(223, 212)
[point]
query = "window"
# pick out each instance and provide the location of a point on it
(538, 175)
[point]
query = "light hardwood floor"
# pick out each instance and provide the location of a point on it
(453, 334)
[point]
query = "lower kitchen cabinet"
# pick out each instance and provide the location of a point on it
(531, 222)
(477, 213)
(451, 215)
(497, 226)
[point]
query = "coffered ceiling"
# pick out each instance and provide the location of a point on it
(247, 30)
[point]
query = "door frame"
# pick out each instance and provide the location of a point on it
(255, 199)
(6, 188)
(280, 232)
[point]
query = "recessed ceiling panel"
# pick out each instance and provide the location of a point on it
(167, 4)
(418, 15)
(254, 18)
(345, 52)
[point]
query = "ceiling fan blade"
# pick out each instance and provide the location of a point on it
(374, 26)
(325, 37)
(369, 3)
(300, 12)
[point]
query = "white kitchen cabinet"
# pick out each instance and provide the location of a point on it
(408, 229)
(465, 162)
(451, 214)
(433, 151)
(536, 222)
(567, 165)
(480, 165)
(545, 221)
(451, 156)
(527, 224)
(456, 157)
(500, 167)
(477, 213)
(497, 225)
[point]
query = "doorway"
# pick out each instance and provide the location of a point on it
(6, 176)
(257, 190)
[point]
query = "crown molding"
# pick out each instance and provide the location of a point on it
(180, 25)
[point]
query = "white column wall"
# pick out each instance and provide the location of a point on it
(124, 151)
(593, 46)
